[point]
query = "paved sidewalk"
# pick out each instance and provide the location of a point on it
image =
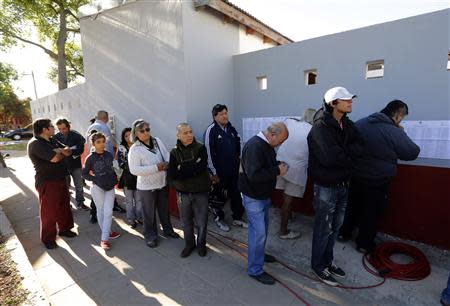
(80, 272)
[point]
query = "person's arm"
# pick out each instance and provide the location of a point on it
(86, 172)
(46, 153)
(404, 147)
(210, 144)
(192, 168)
(79, 143)
(134, 164)
(164, 152)
(173, 166)
(253, 167)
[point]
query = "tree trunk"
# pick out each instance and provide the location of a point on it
(61, 45)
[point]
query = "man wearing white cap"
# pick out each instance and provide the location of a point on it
(334, 144)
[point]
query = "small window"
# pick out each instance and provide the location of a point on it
(262, 82)
(448, 61)
(311, 77)
(375, 69)
(62, 107)
(54, 107)
(70, 105)
(48, 108)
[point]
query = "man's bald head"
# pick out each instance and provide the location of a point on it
(103, 116)
(276, 133)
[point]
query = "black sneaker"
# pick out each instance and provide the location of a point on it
(336, 271)
(152, 244)
(93, 219)
(133, 224)
(264, 278)
(269, 258)
(202, 251)
(172, 235)
(187, 251)
(81, 206)
(68, 234)
(119, 209)
(51, 245)
(326, 277)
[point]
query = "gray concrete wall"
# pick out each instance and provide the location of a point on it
(414, 50)
(133, 57)
(209, 45)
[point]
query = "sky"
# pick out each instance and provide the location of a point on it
(296, 19)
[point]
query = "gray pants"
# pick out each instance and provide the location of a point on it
(194, 207)
(78, 183)
(134, 207)
(152, 201)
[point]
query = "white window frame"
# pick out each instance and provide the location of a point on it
(375, 73)
(262, 82)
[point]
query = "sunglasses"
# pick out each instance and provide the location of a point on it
(144, 130)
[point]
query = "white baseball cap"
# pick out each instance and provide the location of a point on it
(338, 93)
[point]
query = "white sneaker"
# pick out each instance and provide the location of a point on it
(222, 226)
(240, 223)
(290, 235)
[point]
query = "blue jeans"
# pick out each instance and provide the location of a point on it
(329, 204)
(446, 293)
(134, 207)
(258, 223)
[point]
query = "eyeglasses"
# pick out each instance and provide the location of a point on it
(144, 130)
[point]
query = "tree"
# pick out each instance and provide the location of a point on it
(10, 105)
(56, 22)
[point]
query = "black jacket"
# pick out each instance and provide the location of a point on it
(259, 169)
(73, 139)
(188, 168)
(224, 148)
(384, 144)
(332, 149)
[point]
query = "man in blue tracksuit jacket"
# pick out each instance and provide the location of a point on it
(223, 145)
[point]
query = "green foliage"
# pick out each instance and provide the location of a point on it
(10, 105)
(46, 16)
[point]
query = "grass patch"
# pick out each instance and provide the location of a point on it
(11, 290)
(20, 146)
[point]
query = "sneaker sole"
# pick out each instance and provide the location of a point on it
(325, 281)
(337, 275)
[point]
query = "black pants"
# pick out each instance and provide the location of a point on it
(193, 209)
(237, 209)
(367, 202)
(152, 201)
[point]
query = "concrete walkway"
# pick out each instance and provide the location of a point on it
(80, 272)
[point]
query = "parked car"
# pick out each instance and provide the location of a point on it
(23, 133)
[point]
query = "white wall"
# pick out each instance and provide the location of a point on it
(64, 103)
(414, 50)
(134, 64)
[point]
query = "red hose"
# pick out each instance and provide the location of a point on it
(380, 259)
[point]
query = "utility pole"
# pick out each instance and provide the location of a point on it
(34, 82)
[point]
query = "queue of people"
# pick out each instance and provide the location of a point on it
(350, 164)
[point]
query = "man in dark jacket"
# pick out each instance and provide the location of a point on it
(188, 173)
(334, 144)
(257, 182)
(223, 145)
(384, 143)
(72, 139)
